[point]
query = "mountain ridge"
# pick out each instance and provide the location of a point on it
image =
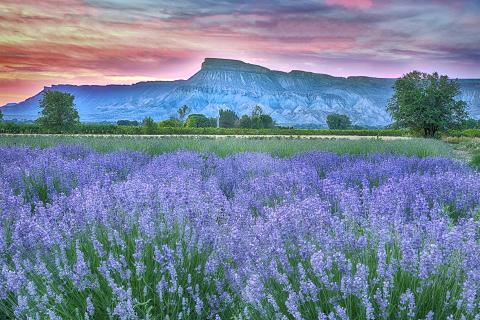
(292, 98)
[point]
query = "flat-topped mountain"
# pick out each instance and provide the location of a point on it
(292, 98)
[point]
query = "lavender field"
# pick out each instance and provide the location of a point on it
(193, 235)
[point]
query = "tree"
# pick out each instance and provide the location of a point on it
(469, 123)
(228, 118)
(170, 123)
(263, 121)
(245, 122)
(1, 116)
(149, 125)
(132, 123)
(212, 122)
(257, 111)
(58, 110)
(197, 121)
(183, 111)
(338, 121)
(260, 119)
(426, 102)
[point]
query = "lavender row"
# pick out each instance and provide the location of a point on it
(189, 235)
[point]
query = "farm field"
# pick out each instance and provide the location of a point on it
(228, 145)
(181, 228)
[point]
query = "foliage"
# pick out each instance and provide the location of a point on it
(182, 112)
(170, 123)
(475, 162)
(426, 102)
(227, 118)
(189, 235)
(260, 120)
(472, 133)
(245, 122)
(257, 120)
(58, 110)
(84, 128)
(469, 123)
(1, 115)
(150, 125)
(127, 123)
(198, 121)
(338, 121)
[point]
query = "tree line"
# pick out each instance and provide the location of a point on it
(226, 119)
(422, 102)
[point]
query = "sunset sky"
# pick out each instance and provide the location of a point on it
(124, 41)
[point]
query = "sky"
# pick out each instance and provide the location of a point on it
(124, 41)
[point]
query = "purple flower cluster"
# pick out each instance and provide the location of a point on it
(187, 235)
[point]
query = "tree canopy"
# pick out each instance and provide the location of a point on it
(170, 123)
(131, 123)
(260, 120)
(228, 118)
(198, 121)
(427, 102)
(183, 111)
(58, 110)
(149, 125)
(338, 121)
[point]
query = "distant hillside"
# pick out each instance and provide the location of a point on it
(295, 98)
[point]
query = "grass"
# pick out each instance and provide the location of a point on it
(466, 148)
(225, 146)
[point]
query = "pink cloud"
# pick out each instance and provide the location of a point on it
(73, 41)
(351, 4)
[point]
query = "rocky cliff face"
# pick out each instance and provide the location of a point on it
(293, 98)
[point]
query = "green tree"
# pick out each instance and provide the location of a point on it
(469, 123)
(245, 122)
(170, 123)
(1, 116)
(58, 110)
(183, 111)
(426, 102)
(197, 121)
(228, 118)
(212, 122)
(132, 123)
(260, 120)
(149, 125)
(338, 121)
(257, 111)
(265, 121)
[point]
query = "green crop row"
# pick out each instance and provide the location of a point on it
(15, 128)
